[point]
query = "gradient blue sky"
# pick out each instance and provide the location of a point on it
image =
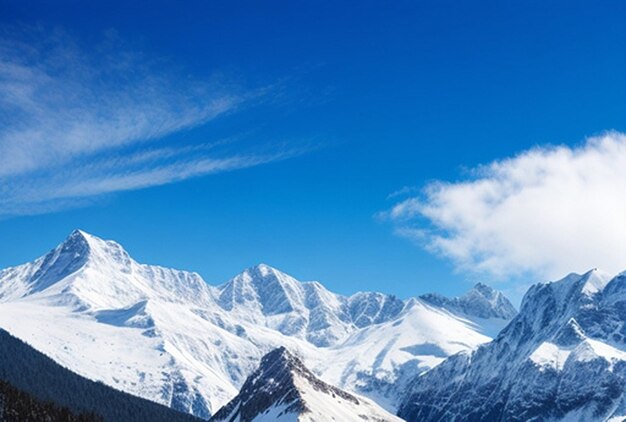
(337, 106)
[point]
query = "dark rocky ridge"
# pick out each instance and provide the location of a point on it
(273, 383)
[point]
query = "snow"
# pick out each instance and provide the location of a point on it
(550, 355)
(562, 358)
(596, 281)
(282, 389)
(324, 407)
(276, 413)
(420, 338)
(168, 336)
(590, 350)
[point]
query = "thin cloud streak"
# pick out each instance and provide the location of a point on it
(78, 124)
(60, 102)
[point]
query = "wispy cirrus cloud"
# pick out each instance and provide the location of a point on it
(77, 122)
(545, 212)
(78, 185)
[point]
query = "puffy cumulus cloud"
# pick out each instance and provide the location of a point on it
(545, 212)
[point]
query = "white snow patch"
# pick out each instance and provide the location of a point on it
(550, 355)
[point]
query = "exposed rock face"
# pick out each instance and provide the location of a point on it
(282, 388)
(562, 357)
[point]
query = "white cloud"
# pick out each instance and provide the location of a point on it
(78, 122)
(546, 212)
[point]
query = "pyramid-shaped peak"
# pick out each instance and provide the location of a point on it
(87, 237)
(481, 301)
(77, 239)
(484, 289)
(282, 388)
(279, 353)
(262, 289)
(67, 258)
(595, 281)
(575, 286)
(265, 270)
(80, 239)
(87, 247)
(279, 356)
(80, 233)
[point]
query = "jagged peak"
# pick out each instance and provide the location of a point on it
(82, 242)
(264, 271)
(279, 380)
(260, 268)
(279, 355)
(259, 275)
(82, 233)
(262, 287)
(77, 239)
(484, 290)
(595, 281)
(573, 277)
(481, 301)
(83, 258)
(67, 258)
(572, 288)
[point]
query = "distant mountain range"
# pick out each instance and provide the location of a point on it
(265, 346)
(167, 336)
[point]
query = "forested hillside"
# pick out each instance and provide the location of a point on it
(32, 379)
(18, 406)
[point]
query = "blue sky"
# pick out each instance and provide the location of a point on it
(217, 135)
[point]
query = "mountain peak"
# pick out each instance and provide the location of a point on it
(262, 288)
(82, 242)
(572, 288)
(264, 270)
(77, 239)
(280, 354)
(282, 388)
(481, 301)
(62, 261)
(556, 360)
(80, 232)
(484, 289)
(595, 281)
(85, 271)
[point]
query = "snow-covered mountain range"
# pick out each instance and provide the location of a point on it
(282, 389)
(168, 336)
(563, 357)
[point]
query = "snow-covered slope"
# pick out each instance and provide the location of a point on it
(378, 360)
(267, 297)
(480, 302)
(562, 358)
(283, 389)
(45, 387)
(168, 336)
